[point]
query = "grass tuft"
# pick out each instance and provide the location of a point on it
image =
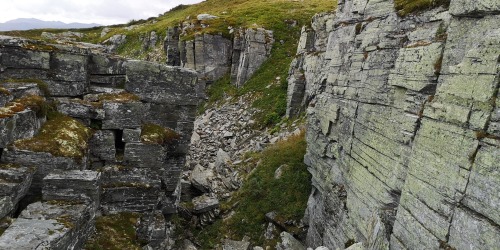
(115, 232)
(407, 7)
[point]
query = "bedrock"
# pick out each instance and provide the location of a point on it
(403, 125)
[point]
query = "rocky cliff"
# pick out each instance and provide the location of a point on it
(84, 133)
(403, 125)
(215, 55)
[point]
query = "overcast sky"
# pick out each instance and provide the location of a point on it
(87, 11)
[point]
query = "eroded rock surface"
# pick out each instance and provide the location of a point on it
(403, 140)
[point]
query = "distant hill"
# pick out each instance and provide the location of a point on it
(32, 23)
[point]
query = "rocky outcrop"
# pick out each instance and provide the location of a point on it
(215, 55)
(141, 115)
(250, 49)
(403, 139)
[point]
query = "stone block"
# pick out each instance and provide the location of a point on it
(74, 185)
(162, 84)
(141, 155)
(129, 190)
(124, 115)
(102, 145)
(131, 135)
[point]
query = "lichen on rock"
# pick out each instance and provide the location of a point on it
(59, 136)
(156, 134)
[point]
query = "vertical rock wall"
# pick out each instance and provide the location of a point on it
(403, 138)
(214, 56)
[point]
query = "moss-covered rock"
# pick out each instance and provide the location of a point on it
(60, 136)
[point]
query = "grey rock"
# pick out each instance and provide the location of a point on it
(40, 227)
(162, 84)
(75, 185)
(15, 181)
(124, 115)
(141, 155)
(152, 228)
(391, 147)
(288, 242)
(235, 245)
(252, 48)
(102, 146)
(204, 17)
(204, 204)
(474, 8)
(356, 246)
(6, 206)
(105, 31)
(201, 177)
(129, 190)
(222, 158)
(115, 41)
(131, 135)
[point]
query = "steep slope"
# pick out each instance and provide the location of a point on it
(403, 124)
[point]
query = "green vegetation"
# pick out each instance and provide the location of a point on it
(60, 136)
(262, 193)
(115, 232)
(406, 7)
(156, 134)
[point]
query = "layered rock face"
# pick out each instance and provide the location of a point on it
(403, 125)
(214, 55)
(116, 143)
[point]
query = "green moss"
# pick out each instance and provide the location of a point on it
(60, 136)
(66, 220)
(156, 134)
(406, 7)
(9, 166)
(122, 97)
(4, 91)
(262, 193)
(115, 232)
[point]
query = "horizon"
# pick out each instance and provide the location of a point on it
(102, 12)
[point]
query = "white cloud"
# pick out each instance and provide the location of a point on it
(88, 11)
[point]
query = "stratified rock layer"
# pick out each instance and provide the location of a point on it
(403, 125)
(79, 172)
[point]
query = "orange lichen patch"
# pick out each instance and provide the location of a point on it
(152, 133)
(33, 102)
(60, 136)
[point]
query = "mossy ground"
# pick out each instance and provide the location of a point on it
(60, 136)
(115, 232)
(406, 7)
(262, 193)
(156, 134)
